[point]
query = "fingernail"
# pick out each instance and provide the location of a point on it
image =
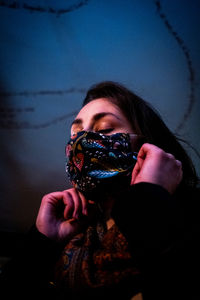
(91, 201)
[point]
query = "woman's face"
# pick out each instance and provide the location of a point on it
(102, 116)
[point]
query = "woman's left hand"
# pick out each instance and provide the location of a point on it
(158, 167)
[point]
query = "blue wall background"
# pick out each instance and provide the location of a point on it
(51, 52)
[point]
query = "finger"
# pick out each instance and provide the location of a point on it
(179, 163)
(84, 204)
(170, 156)
(136, 169)
(144, 150)
(77, 203)
(69, 204)
(91, 202)
(53, 202)
(135, 172)
(148, 150)
(53, 197)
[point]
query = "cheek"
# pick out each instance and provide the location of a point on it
(76, 129)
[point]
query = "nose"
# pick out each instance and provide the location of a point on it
(87, 126)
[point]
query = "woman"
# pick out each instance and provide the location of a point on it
(129, 225)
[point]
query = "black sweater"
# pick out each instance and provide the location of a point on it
(162, 232)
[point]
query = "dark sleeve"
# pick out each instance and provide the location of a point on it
(146, 215)
(163, 233)
(31, 267)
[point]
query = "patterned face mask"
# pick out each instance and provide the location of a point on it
(95, 160)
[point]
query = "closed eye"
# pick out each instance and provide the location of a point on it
(108, 130)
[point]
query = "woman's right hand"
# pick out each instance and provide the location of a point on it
(62, 214)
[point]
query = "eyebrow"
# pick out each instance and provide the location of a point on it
(96, 117)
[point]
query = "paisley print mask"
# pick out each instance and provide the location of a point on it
(95, 160)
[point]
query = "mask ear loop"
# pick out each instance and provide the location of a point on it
(105, 216)
(136, 142)
(135, 155)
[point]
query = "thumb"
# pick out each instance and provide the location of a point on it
(136, 169)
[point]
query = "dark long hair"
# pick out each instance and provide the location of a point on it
(145, 121)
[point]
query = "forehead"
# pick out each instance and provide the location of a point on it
(98, 106)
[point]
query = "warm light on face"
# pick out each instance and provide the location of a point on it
(102, 116)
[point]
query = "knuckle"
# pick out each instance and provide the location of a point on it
(153, 148)
(46, 197)
(146, 145)
(68, 190)
(160, 153)
(179, 163)
(170, 156)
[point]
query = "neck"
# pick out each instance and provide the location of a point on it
(106, 205)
